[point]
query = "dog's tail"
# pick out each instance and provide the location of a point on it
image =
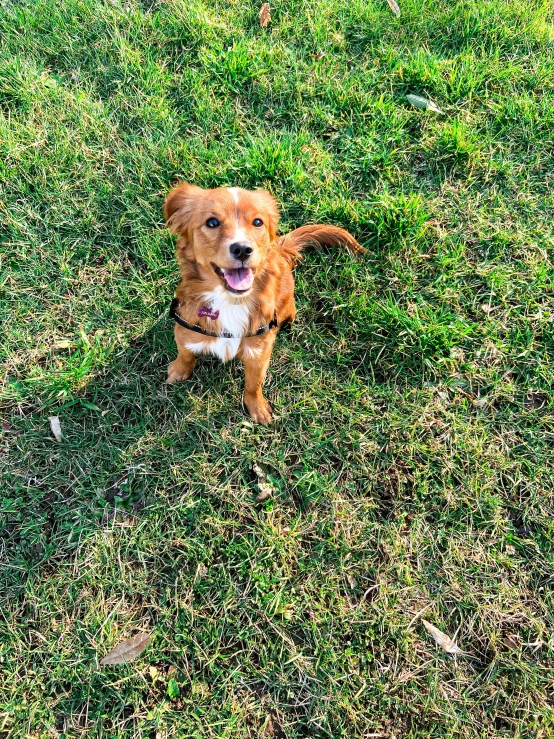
(294, 242)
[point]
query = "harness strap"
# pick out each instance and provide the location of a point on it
(225, 334)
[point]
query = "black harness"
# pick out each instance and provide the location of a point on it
(225, 334)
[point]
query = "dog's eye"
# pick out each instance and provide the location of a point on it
(257, 222)
(212, 223)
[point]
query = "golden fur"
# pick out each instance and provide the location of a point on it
(211, 274)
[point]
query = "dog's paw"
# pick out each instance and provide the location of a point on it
(260, 411)
(177, 372)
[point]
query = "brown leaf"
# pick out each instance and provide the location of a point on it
(56, 427)
(6, 426)
(442, 639)
(266, 491)
(127, 650)
(352, 581)
(265, 15)
(510, 641)
(393, 5)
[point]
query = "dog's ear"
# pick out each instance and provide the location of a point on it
(179, 206)
(269, 204)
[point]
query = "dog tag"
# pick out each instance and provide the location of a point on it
(206, 312)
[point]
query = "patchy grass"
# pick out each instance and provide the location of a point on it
(412, 453)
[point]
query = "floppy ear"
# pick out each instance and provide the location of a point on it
(269, 204)
(179, 206)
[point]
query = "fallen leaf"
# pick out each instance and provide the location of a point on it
(127, 650)
(352, 581)
(56, 427)
(510, 642)
(423, 103)
(319, 55)
(265, 15)
(442, 639)
(480, 402)
(393, 5)
(257, 470)
(63, 344)
(6, 426)
(266, 491)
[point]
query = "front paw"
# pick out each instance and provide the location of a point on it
(259, 410)
(177, 371)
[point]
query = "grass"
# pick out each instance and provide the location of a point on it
(411, 458)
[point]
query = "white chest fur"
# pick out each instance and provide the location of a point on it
(234, 318)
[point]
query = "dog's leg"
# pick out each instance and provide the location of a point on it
(255, 368)
(181, 368)
(287, 322)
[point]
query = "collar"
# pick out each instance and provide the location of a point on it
(224, 334)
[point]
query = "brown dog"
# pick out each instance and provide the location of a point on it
(236, 286)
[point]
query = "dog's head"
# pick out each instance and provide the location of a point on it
(226, 232)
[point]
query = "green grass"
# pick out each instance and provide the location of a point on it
(412, 453)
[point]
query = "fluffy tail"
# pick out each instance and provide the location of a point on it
(294, 242)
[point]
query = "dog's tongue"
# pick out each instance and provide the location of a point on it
(239, 279)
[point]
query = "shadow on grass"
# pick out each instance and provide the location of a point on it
(126, 427)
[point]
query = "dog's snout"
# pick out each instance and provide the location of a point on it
(240, 251)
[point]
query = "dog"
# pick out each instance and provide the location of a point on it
(236, 287)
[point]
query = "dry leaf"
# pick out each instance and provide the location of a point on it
(257, 470)
(319, 55)
(265, 15)
(442, 640)
(352, 581)
(510, 642)
(56, 427)
(127, 650)
(393, 5)
(423, 103)
(266, 491)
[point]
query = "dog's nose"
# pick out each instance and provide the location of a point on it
(240, 251)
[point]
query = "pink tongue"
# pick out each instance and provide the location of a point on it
(239, 279)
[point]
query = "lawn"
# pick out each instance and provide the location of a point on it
(411, 458)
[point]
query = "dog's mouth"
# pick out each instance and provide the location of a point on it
(237, 280)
